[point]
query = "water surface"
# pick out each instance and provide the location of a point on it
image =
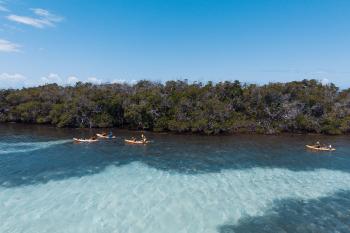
(178, 183)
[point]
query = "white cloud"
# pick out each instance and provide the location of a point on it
(94, 80)
(39, 23)
(52, 78)
(12, 80)
(47, 15)
(15, 77)
(41, 12)
(72, 80)
(17, 80)
(118, 81)
(121, 81)
(325, 81)
(42, 19)
(7, 46)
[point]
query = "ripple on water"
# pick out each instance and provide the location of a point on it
(137, 198)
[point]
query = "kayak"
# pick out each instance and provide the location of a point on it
(84, 140)
(320, 148)
(135, 142)
(105, 136)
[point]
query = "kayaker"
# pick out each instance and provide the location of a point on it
(144, 139)
(110, 135)
(318, 144)
(330, 146)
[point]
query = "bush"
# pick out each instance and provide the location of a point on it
(178, 106)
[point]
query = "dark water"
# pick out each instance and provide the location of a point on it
(178, 183)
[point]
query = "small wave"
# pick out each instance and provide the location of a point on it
(22, 147)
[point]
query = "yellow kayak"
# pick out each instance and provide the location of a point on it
(320, 148)
(135, 142)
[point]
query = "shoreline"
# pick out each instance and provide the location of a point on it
(176, 133)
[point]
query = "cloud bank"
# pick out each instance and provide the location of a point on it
(12, 80)
(17, 80)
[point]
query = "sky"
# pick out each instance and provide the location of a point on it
(254, 41)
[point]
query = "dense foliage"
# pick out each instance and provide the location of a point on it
(226, 107)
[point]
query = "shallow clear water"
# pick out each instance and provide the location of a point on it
(177, 183)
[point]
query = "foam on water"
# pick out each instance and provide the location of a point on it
(22, 147)
(137, 198)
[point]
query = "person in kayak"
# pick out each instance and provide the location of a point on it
(110, 135)
(318, 144)
(143, 138)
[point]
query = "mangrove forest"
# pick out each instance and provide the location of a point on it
(305, 106)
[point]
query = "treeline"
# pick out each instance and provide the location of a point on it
(178, 106)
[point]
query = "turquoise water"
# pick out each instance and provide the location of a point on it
(177, 183)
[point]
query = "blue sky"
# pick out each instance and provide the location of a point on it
(254, 41)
